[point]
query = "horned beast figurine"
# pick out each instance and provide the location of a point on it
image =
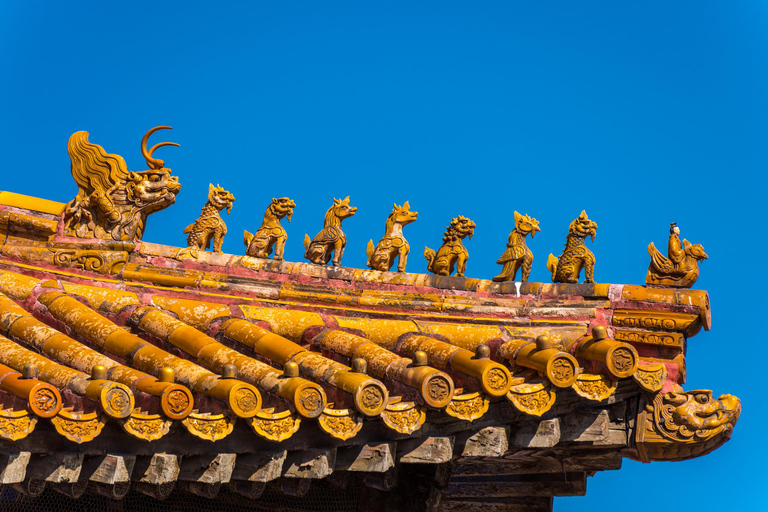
(576, 256)
(113, 203)
(681, 268)
(518, 255)
(393, 244)
(209, 226)
(452, 252)
(271, 234)
(331, 239)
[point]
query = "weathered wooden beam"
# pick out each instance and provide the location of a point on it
(545, 485)
(541, 434)
(56, 467)
(156, 491)
(297, 487)
(526, 504)
(534, 461)
(248, 488)
(259, 467)
(486, 442)
(205, 490)
(70, 489)
(215, 468)
(156, 475)
(426, 450)
(31, 487)
(593, 427)
(370, 458)
(14, 467)
(309, 463)
(108, 469)
(382, 481)
(116, 491)
(158, 469)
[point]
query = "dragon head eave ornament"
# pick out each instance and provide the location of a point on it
(113, 203)
(682, 425)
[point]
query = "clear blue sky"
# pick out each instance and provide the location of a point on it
(642, 113)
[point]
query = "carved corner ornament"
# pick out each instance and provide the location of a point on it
(340, 423)
(685, 424)
(576, 256)
(518, 256)
(275, 426)
(209, 226)
(651, 377)
(393, 244)
(594, 387)
(452, 253)
(15, 425)
(78, 427)
(533, 397)
(680, 268)
(468, 406)
(207, 426)
(404, 417)
(271, 235)
(149, 427)
(113, 203)
(331, 240)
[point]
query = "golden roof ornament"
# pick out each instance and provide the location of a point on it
(271, 234)
(209, 226)
(393, 244)
(576, 256)
(452, 252)
(113, 203)
(331, 239)
(518, 255)
(680, 268)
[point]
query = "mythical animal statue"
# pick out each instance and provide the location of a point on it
(271, 234)
(681, 268)
(113, 203)
(331, 239)
(681, 425)
(576, 256)
(209, 226)
(393, 244)
(518, 255)
(452, 252)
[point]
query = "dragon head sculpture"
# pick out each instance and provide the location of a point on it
(685, 424)
(341, 208)
(400, 215)
(582, 227)
(695, 251)
(282, 207)
(113, 203)
(220, 198)
(460, 227)
(525, 224)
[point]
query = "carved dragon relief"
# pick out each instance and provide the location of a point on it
(452, 252)
(271, 234)
(680, 268)
(576, 256)
(518, 255)
(393, 244)
(113, 203)
(681, 425)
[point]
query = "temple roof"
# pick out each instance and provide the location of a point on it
(108, 343)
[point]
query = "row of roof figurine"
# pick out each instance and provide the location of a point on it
(113, 204)
(679, 269)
